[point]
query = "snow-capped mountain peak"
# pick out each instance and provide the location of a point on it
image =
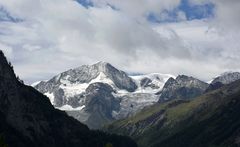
(223, 79)
(226, 78)
(101, 90)
(64, 87)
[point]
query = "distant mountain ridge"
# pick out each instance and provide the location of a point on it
(223, 79)
(227, 77)
(124, 95)
(69, 91)
(186, 119)
(211, 119)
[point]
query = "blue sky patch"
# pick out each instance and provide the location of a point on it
(85, 3)
(191, 12)
(196, 11)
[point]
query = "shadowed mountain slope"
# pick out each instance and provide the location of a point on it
(29, 119)
(212, 119)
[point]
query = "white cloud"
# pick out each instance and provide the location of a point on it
(139, 8)
(56, 35)
(7, 50)
(211, 51)
(227, 14)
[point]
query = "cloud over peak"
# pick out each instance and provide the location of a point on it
(71, 33)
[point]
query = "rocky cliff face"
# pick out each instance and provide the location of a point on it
(29, 119)
(183, 87)
(99, 105)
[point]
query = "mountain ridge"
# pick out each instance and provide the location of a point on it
(29, 119)
(68, 91)
(223, 79)
(211, 119)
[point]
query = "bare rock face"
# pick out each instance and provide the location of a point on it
(29, 119)
(145, 82)
(100, 103)
(183, 87)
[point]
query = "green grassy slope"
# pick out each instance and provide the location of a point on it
(212, 119)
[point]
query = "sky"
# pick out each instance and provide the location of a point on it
(199, 38)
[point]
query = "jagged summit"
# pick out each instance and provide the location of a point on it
(183, 87)
(227, 77)
(183, 77)
(223, 79)
(102, 63)
(101, 66)
(190, 81)
(228, 72)
(87, 74)
(101, 72)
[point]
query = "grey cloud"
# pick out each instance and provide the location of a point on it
(227, 15)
